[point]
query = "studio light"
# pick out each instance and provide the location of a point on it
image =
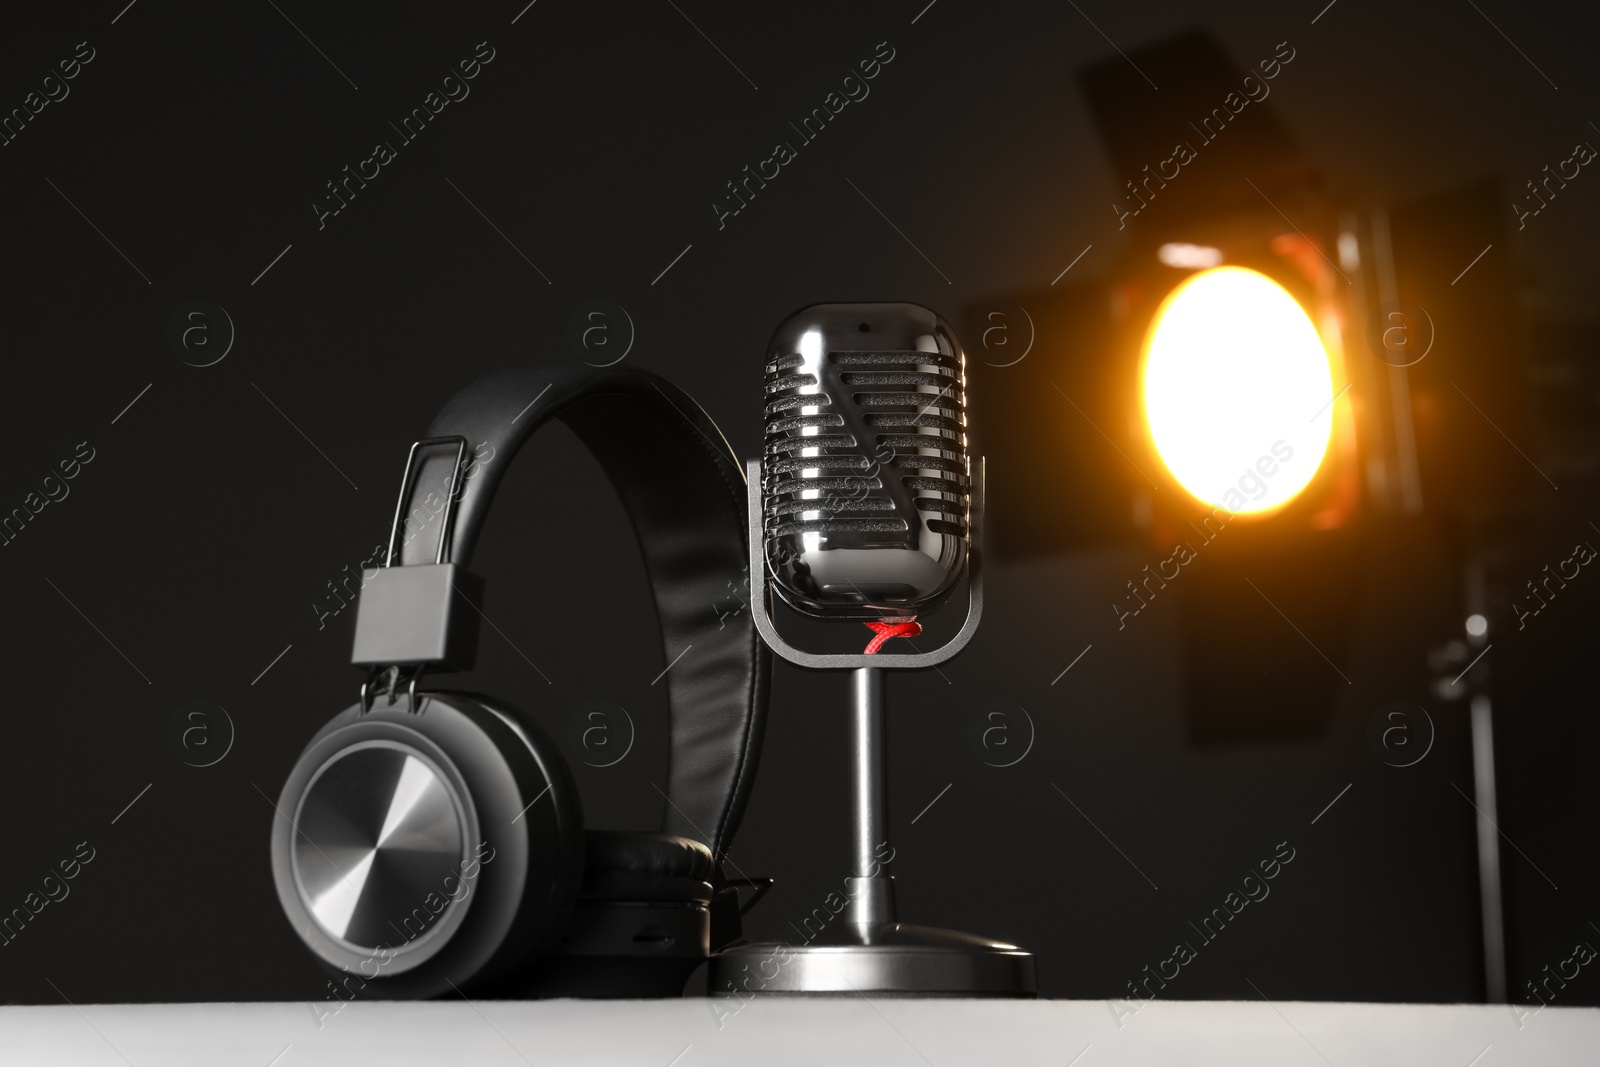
(1236, 390)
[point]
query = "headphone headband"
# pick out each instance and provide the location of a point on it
(684, 492)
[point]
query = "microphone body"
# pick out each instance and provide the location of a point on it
(865, 477)
(865, 507)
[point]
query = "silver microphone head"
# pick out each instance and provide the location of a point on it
(865, 476)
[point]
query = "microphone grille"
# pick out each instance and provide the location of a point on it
(867, 448)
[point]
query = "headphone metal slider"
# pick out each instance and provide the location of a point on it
(421, 615)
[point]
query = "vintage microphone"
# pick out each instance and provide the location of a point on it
(864, 507)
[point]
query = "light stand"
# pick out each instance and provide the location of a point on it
(868, 950)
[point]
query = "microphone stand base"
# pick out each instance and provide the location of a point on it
(888, 958)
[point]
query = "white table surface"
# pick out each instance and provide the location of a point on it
(771, 1033)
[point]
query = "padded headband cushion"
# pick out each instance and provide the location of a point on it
(684, 492)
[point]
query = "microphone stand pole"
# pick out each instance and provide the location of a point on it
(872, 894)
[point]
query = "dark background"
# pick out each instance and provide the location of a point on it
(196, 545)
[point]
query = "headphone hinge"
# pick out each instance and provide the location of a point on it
(391, 678)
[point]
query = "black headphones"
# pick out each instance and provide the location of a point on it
(430, 841)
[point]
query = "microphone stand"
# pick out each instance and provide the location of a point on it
(871, 951)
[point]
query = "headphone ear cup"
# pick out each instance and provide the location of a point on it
(420, 853)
